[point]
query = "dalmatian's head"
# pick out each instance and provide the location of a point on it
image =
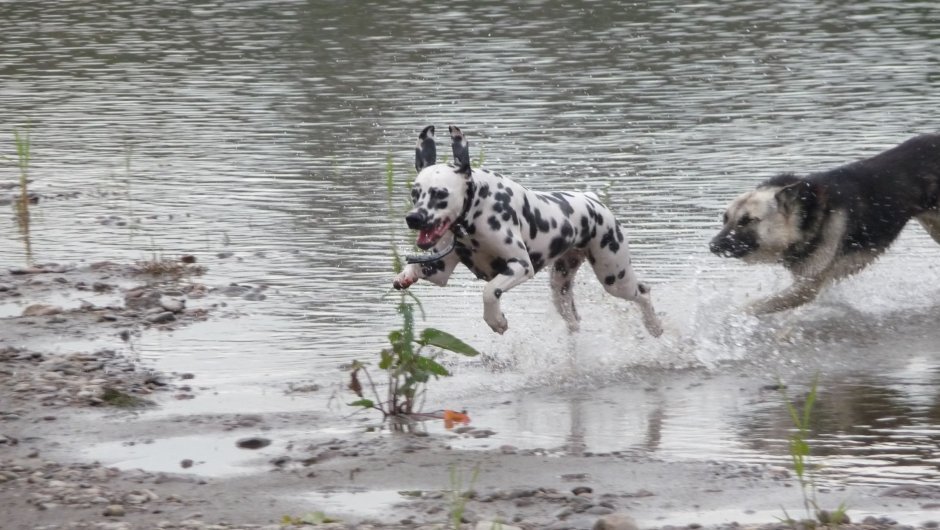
(440, 190)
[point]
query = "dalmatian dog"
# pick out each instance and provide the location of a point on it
(505, 233)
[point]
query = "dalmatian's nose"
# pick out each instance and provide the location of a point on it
(417, 219)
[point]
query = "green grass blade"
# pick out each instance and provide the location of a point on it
(389, 176)
(446, 341)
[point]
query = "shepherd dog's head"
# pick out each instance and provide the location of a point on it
(761, 225)
(440, 190)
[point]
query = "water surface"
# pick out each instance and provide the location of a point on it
(262, 129)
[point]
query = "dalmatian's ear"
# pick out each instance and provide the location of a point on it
(461, 150)
(425, 150)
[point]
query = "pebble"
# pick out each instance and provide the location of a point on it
(173, 305)
(114, 510)
(615, 521)
(162, 318)
(254, 442)
(41, 310)
(491, 525)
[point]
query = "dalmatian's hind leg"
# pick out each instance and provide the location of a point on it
(611, 261)
(562, 282)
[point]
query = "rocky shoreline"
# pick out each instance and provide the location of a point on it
(53, 400)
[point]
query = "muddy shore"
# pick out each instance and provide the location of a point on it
(69, 379)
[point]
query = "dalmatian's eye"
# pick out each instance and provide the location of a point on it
(415, 193)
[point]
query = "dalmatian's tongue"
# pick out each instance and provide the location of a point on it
(429, 236)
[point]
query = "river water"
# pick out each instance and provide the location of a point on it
(263, 129)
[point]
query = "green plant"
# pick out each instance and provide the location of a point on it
(312, 519)
(459, 496)
(128, 154)
(23, 157)
(479, 162)
(22, 142)
(121, 399)
(409, 368)
(410, 361)
(799, 449)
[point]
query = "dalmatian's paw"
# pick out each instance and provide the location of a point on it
(653, 325)
(650, 319)
(403, 281)
(499, 325)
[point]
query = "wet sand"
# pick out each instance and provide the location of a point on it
(57, 404)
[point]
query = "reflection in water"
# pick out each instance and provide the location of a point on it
(261, 130)
(21, 206)
(21, 140)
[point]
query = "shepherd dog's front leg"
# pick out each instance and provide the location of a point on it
(802, 291)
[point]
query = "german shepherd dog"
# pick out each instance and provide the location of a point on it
(829, 225)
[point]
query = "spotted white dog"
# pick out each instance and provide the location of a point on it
(506, 233)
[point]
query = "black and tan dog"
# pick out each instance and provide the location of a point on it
(828, 225)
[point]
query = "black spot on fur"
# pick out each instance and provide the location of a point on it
(498, 293)
(609, 239)
(561, 199)
(621, 274)
(502, 204)
(494, 223)
(432, 267)
(534, 218)
(562, 242)
(585, 232)
(537, 260)
(437, 198)
(466, 257)
(609, 280)
(499, 266)
(484, 191)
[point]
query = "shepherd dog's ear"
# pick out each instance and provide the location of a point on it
(803, 195)
(461, 150)
(425, 150)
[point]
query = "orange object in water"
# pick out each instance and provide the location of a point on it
(452, 416)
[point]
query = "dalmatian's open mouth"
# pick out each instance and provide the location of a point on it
(427, 237)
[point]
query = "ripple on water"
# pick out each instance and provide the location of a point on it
(263, 129)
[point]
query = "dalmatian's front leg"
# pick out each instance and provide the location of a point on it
(436, 272)
(516, 271)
